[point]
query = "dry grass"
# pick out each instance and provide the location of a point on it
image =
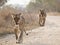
(6, 23)
(54, 13)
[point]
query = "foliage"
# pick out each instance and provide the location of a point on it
(2, 2)
(49, 5)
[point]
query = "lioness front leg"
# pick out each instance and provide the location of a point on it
(20, 37)
(44, 21)
(16, 33)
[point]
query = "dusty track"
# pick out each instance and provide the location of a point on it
(47, 35)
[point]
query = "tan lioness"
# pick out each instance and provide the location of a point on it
(42, 17)
(19, 23)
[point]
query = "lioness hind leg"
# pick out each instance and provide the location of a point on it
(25, 32)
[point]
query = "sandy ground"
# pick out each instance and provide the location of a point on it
(47, 35)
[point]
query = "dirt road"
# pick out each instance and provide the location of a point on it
(47, 35)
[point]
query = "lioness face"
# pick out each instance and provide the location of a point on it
(16, 18)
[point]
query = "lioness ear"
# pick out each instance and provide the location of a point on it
(39, 11)
(12, 15)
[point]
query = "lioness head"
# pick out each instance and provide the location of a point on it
(16, 17)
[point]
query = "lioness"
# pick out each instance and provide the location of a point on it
(19, 23)
(42, 17)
